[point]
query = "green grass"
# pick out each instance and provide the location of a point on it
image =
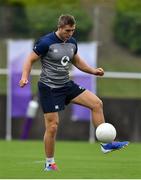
(119, 88)
(79, 160)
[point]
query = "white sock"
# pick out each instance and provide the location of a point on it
(49, 160)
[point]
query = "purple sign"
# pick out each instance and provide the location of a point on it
(18, 97)
(80, 112)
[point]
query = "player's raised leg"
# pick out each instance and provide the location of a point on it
(90, 100)
(51, 125)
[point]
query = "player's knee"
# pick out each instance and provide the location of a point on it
(53, 128)
(51, 124)
(98, 105)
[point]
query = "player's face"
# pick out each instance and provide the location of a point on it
(66, 32)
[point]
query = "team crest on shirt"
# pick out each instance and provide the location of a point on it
(65, 60)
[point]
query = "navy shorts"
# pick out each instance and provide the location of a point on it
(55, 99)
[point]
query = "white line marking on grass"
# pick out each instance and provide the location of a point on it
(39, 162)
(31, 162)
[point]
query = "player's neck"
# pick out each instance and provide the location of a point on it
(58, 35)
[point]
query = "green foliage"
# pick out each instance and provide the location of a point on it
(43, 19)
(127, 26)
(35, 18)
(129, 6)
(13, 19)
(19, 19)
(53, 3)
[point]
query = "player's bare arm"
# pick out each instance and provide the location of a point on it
(83, 66)
(27, 68)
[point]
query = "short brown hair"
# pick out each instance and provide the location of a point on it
(66, 19)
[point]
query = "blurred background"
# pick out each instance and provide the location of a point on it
(113, 25)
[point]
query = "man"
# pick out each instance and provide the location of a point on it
(57, 51)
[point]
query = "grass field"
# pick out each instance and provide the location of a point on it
(76, 160)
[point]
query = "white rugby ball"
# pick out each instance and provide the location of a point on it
(106, 133)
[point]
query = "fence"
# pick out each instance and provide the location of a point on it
(123, 113)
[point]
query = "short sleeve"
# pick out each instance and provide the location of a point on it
(73, 40)
(40, 47)
(76, 48)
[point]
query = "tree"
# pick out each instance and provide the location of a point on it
(127, 26)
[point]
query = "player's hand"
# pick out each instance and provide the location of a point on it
(23, 82)
(99, 72)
